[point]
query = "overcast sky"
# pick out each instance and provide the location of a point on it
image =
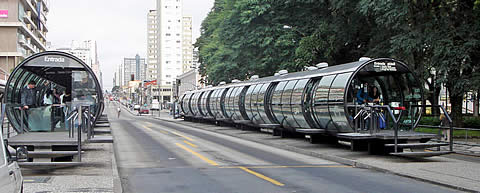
(119, 26)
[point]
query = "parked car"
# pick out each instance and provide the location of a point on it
(144, 110)
(136, 107)
(11, 179)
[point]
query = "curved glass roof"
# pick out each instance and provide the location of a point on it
(56, 74)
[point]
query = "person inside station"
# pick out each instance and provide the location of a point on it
(29, 95)
(374, 95)
(362, 94)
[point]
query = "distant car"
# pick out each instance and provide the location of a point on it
(144, 110)
(136, 107)
(11, 179)
(155, 106)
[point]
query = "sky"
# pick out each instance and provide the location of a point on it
(118, 26)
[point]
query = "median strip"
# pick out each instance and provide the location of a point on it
(197, 154)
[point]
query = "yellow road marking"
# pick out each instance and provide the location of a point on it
(164, 132)
(191, 144)
(197, 154)
(29, 180)
(313, 166)
(188, 138)
(149, 124)
(261, 176)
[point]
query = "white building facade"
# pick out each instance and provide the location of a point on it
(169, 45)
(187, 46)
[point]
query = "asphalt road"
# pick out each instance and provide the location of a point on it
(158, 156)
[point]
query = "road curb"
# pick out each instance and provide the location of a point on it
(117, 183)
(341, 160)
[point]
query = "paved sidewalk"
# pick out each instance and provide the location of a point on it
(462, 174)
(97, 174)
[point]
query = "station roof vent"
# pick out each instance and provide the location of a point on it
(222, 83)
(364, 59)
(254, 77)
(283, 72)
(276, 74)
(311, 68)
(322, 65)
(235, 81)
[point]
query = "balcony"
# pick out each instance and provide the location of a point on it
(27, 31)
(29, 5)
(27, 19)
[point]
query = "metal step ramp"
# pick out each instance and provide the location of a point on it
(421, 154)
(51, 154)
(48, 165)
(417, 146)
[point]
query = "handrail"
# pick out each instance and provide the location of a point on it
(450, 122)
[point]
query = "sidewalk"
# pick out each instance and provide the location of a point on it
(462, 174)
(98, 173)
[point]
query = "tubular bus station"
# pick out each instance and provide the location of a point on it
(64, 105)
(325, 103)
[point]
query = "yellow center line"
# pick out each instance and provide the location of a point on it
(261, 176)
(188, 138)
(266, 167)
(191, 144)
(197, 154)
(29, 180)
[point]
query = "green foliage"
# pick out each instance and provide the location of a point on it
(471, 122)
(428, 120)
(245, 37)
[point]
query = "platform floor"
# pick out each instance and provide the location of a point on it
(386, 134)
(45, 139)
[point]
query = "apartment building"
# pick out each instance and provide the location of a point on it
(187, 46)
(169, 45)
(23, 31)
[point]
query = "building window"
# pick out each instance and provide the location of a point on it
(168, 82)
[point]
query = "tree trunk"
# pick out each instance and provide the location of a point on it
(456, 101)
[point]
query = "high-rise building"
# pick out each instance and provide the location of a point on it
(133, 69)
(86, 51)
(187, 46)
(169, 45)
(23, 31)
(152, 45)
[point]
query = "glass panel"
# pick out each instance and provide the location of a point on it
(297, 103)
(248, 101)
(228, 106)
(260, 104)
(208, 102)
(3, 155)
(286, 104)
(236, 104)
(320, 102)
(223, 101)
(255, 112)
(277, 102)
(336, 102)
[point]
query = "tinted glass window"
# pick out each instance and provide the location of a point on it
(286, 104)
(260, 103)
(3, 156)
(248, 101)
(297, 103)
(277, 102)
(336, 102)
(320, 103)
